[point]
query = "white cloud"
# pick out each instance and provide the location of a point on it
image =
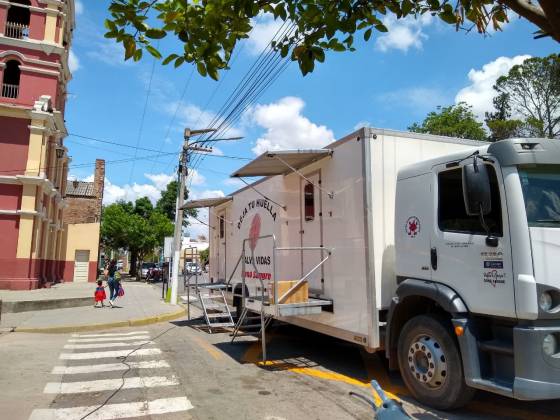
(195, 178)
(264, 29)
(107, 51)
(361, 124)
(73, 62)
(287, 128)
(197, 195)
(416, 97)
(234, 182)
(480, 92)
(79, 7)
(114, 192)
(190, 115)
(404, 33)
(160, 180)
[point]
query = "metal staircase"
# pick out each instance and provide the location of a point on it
(210, 296)
(259, 311)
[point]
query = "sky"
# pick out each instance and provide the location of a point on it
(391, 81)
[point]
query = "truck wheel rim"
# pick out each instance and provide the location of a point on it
(427, 362)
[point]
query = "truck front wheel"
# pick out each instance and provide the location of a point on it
(430, 363)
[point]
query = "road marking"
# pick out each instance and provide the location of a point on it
(208, 347)
(109, 367)
(108, 384)
(104, 354)
(103, 339)
(110, 334)
(106, 345)
(116, 411)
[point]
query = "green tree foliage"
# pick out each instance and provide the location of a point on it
(210, 29)
(168, 202)
(136, 227)
(453, 121)
(204, 255)
(531, 92)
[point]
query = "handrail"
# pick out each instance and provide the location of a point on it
(300, 281)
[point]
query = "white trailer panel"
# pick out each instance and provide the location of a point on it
(344, 202)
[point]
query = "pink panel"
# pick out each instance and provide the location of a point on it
(37, 26)
(14, 144)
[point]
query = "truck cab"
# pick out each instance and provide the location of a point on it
(477, 306)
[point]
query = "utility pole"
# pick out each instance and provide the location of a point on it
(183, 172)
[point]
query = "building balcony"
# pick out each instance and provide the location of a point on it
(9, 91)
(16, 30)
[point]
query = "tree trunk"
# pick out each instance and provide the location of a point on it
(133, 263)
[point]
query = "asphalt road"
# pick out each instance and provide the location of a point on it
(181, 372)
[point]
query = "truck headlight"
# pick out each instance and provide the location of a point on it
(545, 301)
(549, 345)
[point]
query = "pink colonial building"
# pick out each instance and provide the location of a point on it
(35, 37)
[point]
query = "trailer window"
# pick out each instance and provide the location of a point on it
(309, 201)
(222, 227)
(452, 215)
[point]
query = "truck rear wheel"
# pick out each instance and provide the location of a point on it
(430, 363)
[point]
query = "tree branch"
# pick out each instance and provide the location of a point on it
(534, 14)
(551, 9)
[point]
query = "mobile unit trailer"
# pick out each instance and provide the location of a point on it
(440, 251)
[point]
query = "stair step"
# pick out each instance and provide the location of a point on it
(221, 324)
(246, 334)
(249, 327)
(212, 297)
(218, 315)
(214, 305)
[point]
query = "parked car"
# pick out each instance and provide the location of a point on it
(120, 265)
(145, 267)
(192, 268)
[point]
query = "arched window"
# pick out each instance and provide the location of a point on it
(17, 21)
(10, 81)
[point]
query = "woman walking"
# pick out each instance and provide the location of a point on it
(111, 282)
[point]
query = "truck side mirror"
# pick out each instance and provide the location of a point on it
(476, 189)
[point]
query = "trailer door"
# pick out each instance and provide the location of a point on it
(222, 276)
(312, 230)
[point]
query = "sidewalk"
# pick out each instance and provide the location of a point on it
(63, 295)
(141, 305)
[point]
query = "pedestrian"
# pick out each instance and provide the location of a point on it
(118, 287)
(111, 270)
(99, 295)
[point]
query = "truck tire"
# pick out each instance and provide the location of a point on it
(430, 363)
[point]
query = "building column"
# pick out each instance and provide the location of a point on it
(51, 20)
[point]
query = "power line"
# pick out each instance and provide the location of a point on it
(19, 171)
(187, 83)
(143, 118)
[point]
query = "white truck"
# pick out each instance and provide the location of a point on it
(442, 252)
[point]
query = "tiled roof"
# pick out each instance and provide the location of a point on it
(82, 189)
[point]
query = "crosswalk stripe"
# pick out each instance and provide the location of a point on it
(116, 411)
(106, 345)
(109, 367)
(110, 334)
(103, 354)
(104, 339)
(108, 384)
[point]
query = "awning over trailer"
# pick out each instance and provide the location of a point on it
(206, 202)
(281, 162)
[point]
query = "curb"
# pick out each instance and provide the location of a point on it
(93, 327)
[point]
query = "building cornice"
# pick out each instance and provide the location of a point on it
(32, 44)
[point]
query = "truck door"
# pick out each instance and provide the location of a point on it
(222, 276)
(461, 258)
(312, 230)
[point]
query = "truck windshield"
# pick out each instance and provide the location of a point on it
(541, 190)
